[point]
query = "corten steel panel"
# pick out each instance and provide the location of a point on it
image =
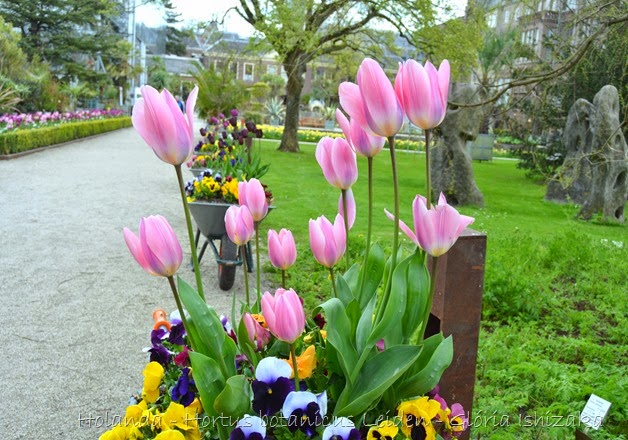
(457, 310)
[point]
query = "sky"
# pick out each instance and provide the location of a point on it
(206, 10)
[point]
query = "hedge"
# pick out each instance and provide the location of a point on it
(25, 140)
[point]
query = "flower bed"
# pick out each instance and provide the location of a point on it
(19, 121)
(24, 140)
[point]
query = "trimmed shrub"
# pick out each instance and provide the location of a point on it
(25, 140)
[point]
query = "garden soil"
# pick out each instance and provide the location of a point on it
(76, 307)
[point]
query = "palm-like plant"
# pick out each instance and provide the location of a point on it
(8, 99)
(275, 110)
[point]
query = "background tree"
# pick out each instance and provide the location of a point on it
(175, 38)
(302, 30)
(69, 35)
(218, 91)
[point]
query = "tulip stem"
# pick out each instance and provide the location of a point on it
(258, 269)
(346, 221)
(173, 286)
(333, 281)
(395, 244)
(295, 367)
(188, 221)
(246, 276)
(367, 250)
(428, 173)
(283, 278)
(430, 297)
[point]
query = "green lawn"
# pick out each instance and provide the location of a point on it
(555, 300)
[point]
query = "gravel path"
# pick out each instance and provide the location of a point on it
(76, 306)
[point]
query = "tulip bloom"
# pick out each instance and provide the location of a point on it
(423, 92)
(284, 314)
(239, 224)
(381, 110)
(437, 229)
(350, 207)
(157, 249)
(251, 194)
(281, 249)
(158, 119)
(362, 142)
(337, 160)
(328, 242)
(258, 335)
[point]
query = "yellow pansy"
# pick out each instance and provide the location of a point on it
(118, 432)
(180, 417)
(386, 430)
(153, 374)
(306, 362)
(170, 434)
(416, 418)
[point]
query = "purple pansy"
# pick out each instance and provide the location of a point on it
(249, 428)
(182, 392)
(304, 411)
(160, 354)
(271, 386)
(341, 429)
(177, 332)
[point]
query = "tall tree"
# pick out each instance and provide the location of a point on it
(175, 38)
(69, 35)
(303, 30)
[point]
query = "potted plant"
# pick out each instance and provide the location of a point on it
(275, 110)
(329, 113)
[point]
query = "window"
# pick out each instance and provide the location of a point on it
(491, 20)
(219, 65)
(506, 16)
(517, 13)
(248, 71)
(271, 69)
(233, 68)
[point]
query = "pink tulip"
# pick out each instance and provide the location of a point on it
(350, 207)
(281, 249)
(328, 242)
(423, 92)
(158, 119)
(352, 103)
(258, 335)
(437, 229)
(239, 224)
(157, 249)
(337, 160)
(382, 109)
(284, 314)
(251, 193)
(362, 142)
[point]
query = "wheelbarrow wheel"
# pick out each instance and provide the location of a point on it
(226, 272)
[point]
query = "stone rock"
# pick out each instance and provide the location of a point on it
(452, 173)
(573, 181)
(596, 164)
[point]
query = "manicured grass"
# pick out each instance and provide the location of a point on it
(555, 299)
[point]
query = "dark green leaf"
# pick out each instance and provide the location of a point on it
(235, 399)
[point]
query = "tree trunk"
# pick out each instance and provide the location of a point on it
(295, 68)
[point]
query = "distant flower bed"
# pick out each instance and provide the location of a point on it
(15, 121)
(275, 132)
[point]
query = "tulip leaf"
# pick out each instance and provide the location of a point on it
(389, 326)
(208, 380)
(207, 324)
(351, 276)
(228, 354)
(210, 383)
(436, 356)
(371, 274)
(377, 374)
(235, 399)
(418, 288)
(339, 334)
(344, 291)
(365, 326)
